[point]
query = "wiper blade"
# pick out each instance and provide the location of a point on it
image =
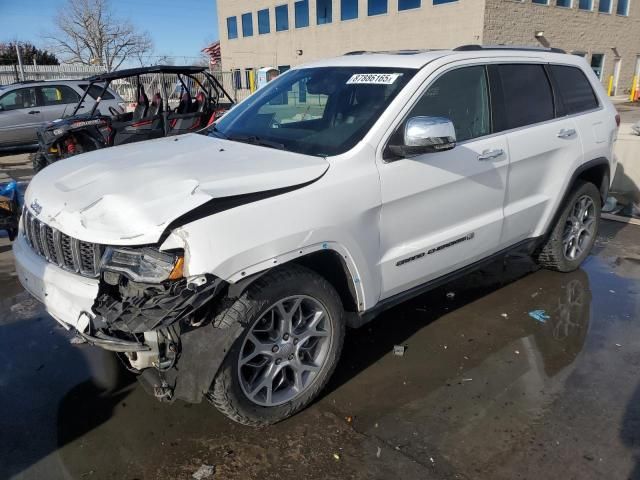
(254, 140)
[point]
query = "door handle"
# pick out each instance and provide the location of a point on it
(566, 133)
(490, 154)
(34, 112)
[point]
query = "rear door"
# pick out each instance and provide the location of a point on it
(19, 117)
(576, 98)
(56, 101)
(544, 147)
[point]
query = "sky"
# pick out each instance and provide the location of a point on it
(178, 28)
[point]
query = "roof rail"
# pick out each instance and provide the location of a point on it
(409, 51)
(467, 48)
(20, 82)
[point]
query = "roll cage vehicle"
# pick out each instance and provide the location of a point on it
(199, 100)
(227, 266)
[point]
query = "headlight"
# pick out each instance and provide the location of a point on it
(146, 265)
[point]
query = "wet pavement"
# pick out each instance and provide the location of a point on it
(483, 390)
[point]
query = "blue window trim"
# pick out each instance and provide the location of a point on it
(279, 9)
(301, 10)
(583, 3)
(247, 24)
(377, 7)
(232, 22)
(626, 10)
(352, 7)
(328, 18)
(408, 5)
(264, 28)
(610, 6)
(442, 2)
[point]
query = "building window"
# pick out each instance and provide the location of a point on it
(377, 7)
(623, 7)
(440, 2)
(282, 18)
(563, 3)
(541, 2)
(247, 24)
(585, 4)
(604, 6)
(323, 11)
(232, 28)
(348, 9)
(302, 13)
(597, 61)
(263, 21)
(283, 68)
(408, 4)
(237, 79)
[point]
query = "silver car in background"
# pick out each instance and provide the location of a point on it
(26, 105)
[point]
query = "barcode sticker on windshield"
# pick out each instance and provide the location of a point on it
(373, 78)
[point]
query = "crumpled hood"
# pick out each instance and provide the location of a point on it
(127, 195)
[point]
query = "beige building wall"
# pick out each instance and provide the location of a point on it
(515, 22)
(440, 26)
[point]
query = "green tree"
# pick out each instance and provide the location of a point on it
(29, 52)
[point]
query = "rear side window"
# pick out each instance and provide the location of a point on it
(574, 90)
(95, 90)
(526, 95)
(58, 95)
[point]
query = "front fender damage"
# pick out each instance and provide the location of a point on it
(164, 332)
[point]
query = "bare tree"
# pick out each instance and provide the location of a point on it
(88, 33)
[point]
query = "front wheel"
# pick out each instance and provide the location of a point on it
(575, 232)
(292, 339)
(38, 161)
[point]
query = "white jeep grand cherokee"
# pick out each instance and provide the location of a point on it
(227, 265)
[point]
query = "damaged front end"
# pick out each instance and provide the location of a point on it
(159, 322)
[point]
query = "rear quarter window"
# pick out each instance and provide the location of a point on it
(526, 95)
(574, 90)
(95, 91)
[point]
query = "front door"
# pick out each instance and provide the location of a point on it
(442, 211)
(19, 117)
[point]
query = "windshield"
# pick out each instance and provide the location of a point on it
(315, 111)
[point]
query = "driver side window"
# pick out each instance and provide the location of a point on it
(462, 96)
(20, 98)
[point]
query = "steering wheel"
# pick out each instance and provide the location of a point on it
(113, 111)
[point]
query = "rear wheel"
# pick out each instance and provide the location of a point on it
(575, 232)
(292, 339)
(38, 161)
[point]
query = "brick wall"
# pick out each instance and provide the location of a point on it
(515, 22)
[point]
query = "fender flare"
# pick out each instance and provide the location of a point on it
(242, 279)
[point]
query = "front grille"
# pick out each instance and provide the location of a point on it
(60, 249)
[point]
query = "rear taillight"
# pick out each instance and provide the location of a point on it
(617, 120)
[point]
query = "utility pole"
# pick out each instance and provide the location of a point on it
(20, 62)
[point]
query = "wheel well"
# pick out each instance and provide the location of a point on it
(599, 176)
(333, 268)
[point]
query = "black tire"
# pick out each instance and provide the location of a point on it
(551, 255)
(38, 161)
(226, 392)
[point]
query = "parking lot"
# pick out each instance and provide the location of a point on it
(483, 390)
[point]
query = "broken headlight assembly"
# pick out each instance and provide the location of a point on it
(146, 264)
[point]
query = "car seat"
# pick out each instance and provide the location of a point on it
(185, 103)
(143, 105)
(200, 102)
(156, 106)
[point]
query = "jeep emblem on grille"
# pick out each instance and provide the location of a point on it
(36, 207)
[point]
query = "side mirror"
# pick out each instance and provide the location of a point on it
(426, 135)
